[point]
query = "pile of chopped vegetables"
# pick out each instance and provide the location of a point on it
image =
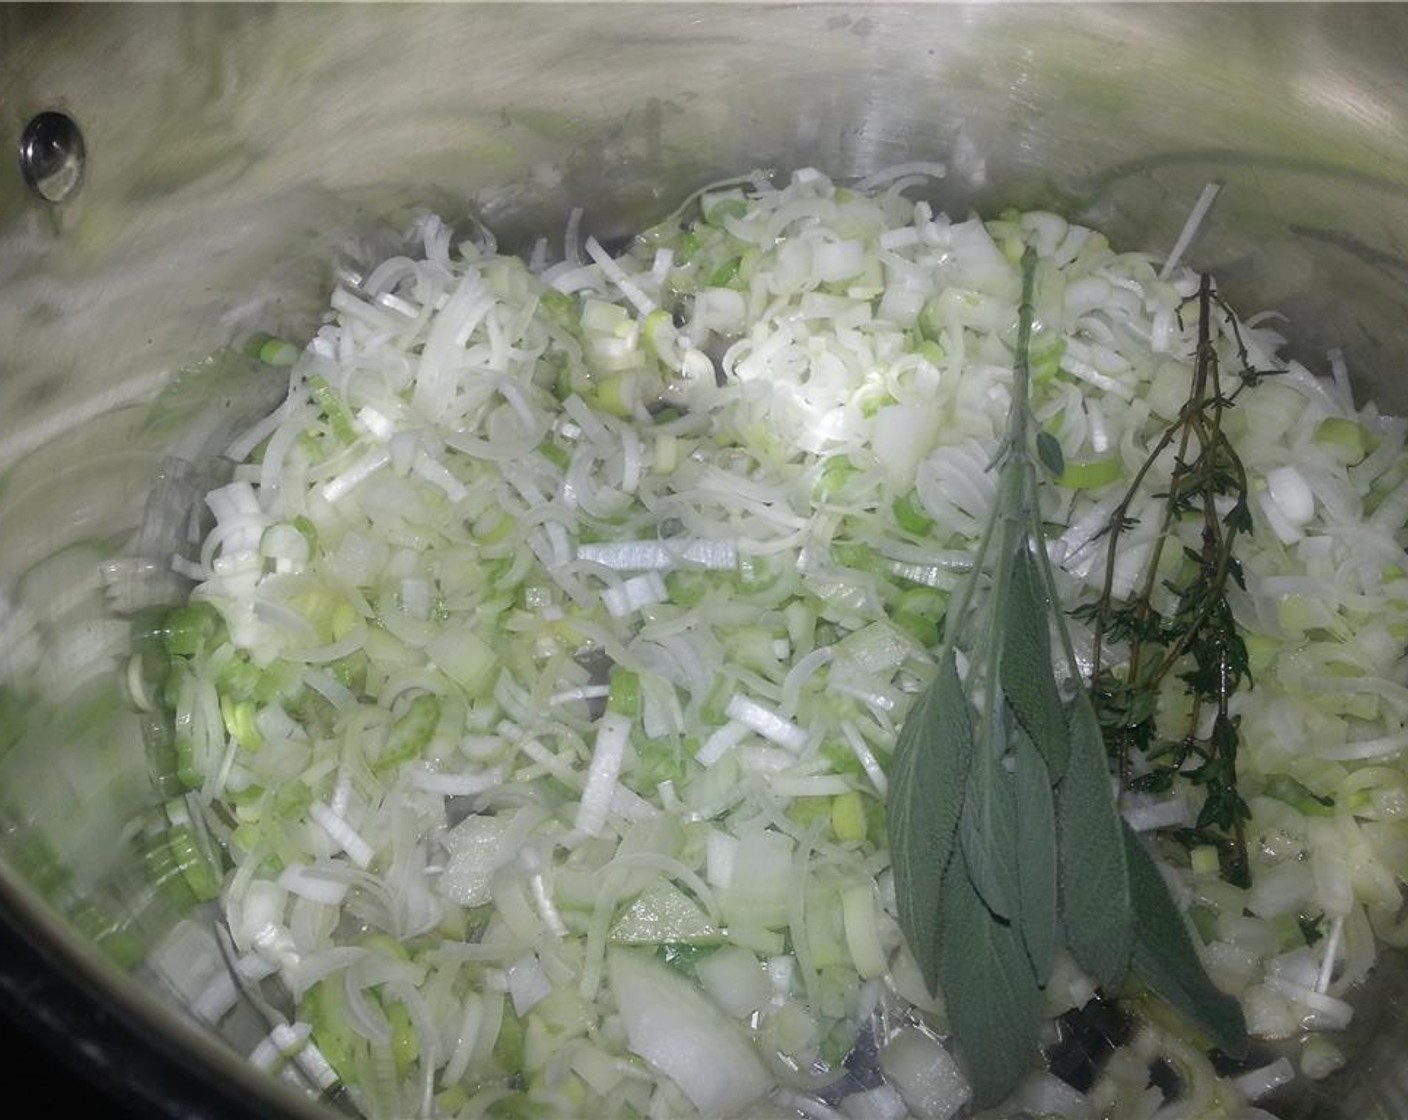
(537, 692)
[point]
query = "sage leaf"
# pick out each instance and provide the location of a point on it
(1164, 957)
(1028, 680)
(1094, 879)
(928, 780)
(990, 992)
(1036, 855)
(988, 829)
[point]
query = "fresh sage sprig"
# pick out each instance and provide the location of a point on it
(1005, 838)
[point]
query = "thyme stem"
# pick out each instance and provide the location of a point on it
(1201, 629)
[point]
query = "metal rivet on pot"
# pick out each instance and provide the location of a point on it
(51, 156)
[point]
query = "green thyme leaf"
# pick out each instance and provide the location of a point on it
(933, 755)
(1164, 958)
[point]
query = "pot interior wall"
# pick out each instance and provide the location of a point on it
(235, 154)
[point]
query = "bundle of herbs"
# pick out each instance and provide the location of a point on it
(1004, 830)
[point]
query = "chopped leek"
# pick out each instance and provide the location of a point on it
(558, 631)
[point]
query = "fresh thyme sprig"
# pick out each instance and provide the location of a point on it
(1004, 836)
(1197, 638)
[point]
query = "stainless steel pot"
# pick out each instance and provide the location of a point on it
(230, 151)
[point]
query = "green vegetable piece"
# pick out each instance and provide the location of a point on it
(325, 1009)
(806, 811)
(1028, 679)
(990, 992)
(277, 352)
(1036, 854)
(410, 734)
(1301, 797)
(200, 874)
(835, 474)
(1164, 957)
(932, 758)
(193, 629)
(1095, 890)
(625, 695)
(339, 418)
(1091, 474)
(931, 321)
(725, 274)
(1343, 435)
(848, 816)
(509, 1047)
(686, 247)
(554, 454)
(238, 716)
(1046, 359)
(176, 865)
(853, 554)
(921, 628)
(910, 515)
(405, 1047)
(658, 760)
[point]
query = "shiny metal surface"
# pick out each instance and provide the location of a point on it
(51, 156)
(234, 152)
